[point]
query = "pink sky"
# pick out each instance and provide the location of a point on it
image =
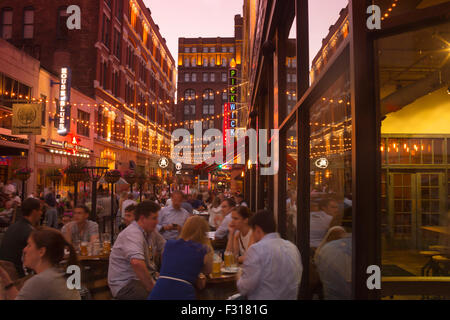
(213, 18)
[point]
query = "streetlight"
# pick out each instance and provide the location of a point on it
(95, 174)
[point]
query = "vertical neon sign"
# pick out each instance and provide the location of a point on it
(64, 98)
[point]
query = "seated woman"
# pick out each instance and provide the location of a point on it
(43, 254)
(240, 233)
(184, 263)
(215, 213)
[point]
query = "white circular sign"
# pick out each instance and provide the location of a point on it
(178, 166)
(322, 163)
(163, 162)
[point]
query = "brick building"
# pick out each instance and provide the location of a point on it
(118, 58)
(203, 65)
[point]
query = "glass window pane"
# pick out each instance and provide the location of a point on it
(414, 106)
(331, 188)
(291, 183)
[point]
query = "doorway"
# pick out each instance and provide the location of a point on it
(414, 200)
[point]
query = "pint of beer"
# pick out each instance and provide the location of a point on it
(84, 248)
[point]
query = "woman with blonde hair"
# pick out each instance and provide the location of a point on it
(184, 263)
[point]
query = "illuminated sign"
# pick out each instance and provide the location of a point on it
(322, 163)
(225, 122)
(57, 143)
(63, 124)
(163, 162)
(232, 99)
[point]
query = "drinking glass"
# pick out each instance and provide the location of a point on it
(229, 259)
(84, 248)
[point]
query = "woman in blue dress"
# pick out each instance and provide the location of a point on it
(184, 263)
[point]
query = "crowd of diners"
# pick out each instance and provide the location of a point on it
(162, 250)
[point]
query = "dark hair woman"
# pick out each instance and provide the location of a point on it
(240, 233)
(44, 254)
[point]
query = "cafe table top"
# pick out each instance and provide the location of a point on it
(92, 258)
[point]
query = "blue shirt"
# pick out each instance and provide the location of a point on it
(334, 265)
(272, 270)
(170, 215)
(132, 243)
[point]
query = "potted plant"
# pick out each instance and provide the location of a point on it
(130, 177)
(112, 176)
(76, 170)
(23, 173)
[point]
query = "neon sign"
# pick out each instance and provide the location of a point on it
(64, 98)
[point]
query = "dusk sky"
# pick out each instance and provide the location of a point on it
(213, 18)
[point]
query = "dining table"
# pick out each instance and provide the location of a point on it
(94, 275)
(219, 287)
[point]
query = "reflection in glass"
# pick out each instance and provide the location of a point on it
(291, 183)
(331, 195)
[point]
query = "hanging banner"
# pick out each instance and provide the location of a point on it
(26, 119)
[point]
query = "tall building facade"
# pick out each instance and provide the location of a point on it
(203, 66)
(119, 58)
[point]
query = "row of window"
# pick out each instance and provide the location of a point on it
(206, 77)
(192, 62)
(7, 23)
(208, 94)
(208, 49)
(208, 109)
(206, 125)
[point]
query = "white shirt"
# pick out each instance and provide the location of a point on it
(125, 204)
(319, 225)
(9, 188)
(272, 270)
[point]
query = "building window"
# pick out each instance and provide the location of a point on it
(7, 19)
(186, 77)
(105, 30)
(28, 23)
(117, 43)
(83, 123)
(224, 49)
(288, 77)
(189, 94)
(224, 96)
(104, 74)
(193, 62)
(212, 49)
(119, 9)
(224, 62)
(43, 106)
(194, 77)
(205, 77)
(62, 31)
(205, 49)
(208, 109)
(205, 62)
(231, 49)
(213, 77)
(194, 49)
(187, 50)
(186, 62)
(213, 62)
(208, 94)
(224, 77)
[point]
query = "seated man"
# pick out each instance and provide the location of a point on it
(173, 217)
(227, 206)
(129, 217)
(132, 270)
(16, 237)
(272, 269)
(321, 221)
(80, 229)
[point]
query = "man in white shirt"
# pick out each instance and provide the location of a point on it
(321, 221)
(272, 269)
(173, 217)
(227, 205)
(127, 202)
